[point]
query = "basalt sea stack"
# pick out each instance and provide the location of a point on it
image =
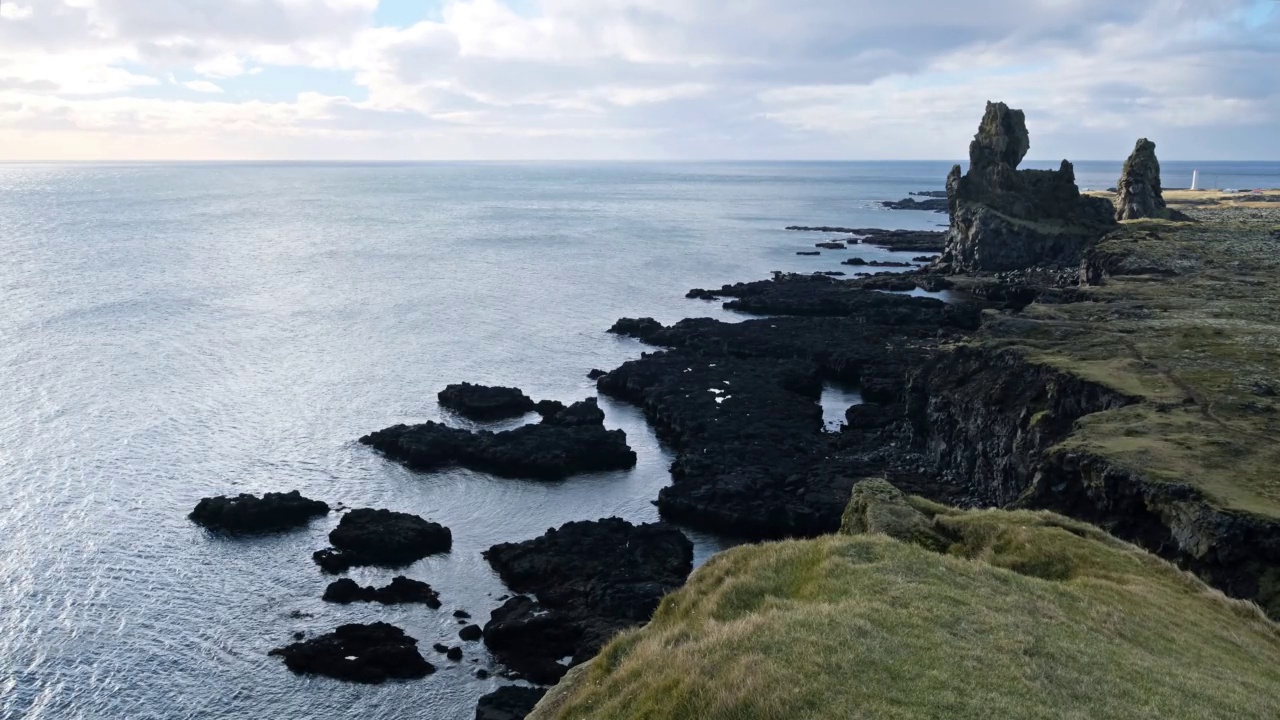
(1139, 190)
(1003, 218)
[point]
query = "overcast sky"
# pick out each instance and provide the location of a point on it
(634, 79)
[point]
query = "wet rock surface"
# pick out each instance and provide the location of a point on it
(248, 514)
(509, 703)
(401, 591)
(369, 654)
(480, 402)
(591, 580)
(568, 441)
(382, 537)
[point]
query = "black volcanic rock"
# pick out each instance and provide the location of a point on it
(804, 252)
(511, 702)
(245, 513)
(479, 402)
(358, 653)
(1003, 218)
(470, 633)
(739, 402)
(832, 246)
(930, 205)
(909, 240)
(638, 327)
(568, 441)
(382, 537)
(591, 580)
(401, 591)
(1140, 195)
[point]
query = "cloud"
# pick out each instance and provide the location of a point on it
(202, 86)
(646, 78)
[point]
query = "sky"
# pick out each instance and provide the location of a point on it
(632, 79)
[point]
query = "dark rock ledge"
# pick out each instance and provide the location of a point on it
(568, 441)
(382, 537)
(479, 402)
(368, 654)
(401, 591)
(245, 513)
(509, 703)
(591, 580)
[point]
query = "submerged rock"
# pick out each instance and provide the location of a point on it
(1003, 218)
(1140, 195)
(479, 402)
(401, 591)
(931, 205)
(511, 702)
(568, 441)
(245, 513)
(382, 537)
(358, 653)
(591, 580)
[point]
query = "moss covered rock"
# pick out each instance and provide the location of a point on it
(1025, 614)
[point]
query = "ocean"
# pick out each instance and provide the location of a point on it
(173, 331)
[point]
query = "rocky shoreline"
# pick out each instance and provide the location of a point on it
(986, 402)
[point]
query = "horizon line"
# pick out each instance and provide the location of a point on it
(378, 161)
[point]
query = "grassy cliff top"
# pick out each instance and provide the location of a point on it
(1015, 614)
(1188, 321)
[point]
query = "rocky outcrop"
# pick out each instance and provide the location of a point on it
(908, 240)
(509, 703)
(368, 654)
(245, 513)
(739, 401)
(1003, 218)
(1139, 193)
(401, 591)
(991, 423)
(591, 580)
(382, 537)
(479, 402)
(568, 441)
(930, 205)
(876, 506)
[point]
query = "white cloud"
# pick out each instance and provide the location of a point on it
(202, 86)
(648, 78)
(14, 11)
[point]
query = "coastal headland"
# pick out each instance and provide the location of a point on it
(1101, 382)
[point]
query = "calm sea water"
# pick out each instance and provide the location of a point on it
(177, 331)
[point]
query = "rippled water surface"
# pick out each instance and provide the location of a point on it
(176, 331)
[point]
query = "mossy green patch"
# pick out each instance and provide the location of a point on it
(1188, 325)
(1026, 614)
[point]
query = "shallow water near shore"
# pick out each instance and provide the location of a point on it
(178, 331)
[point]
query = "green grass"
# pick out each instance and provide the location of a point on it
(1192, 347)
(1024, 615)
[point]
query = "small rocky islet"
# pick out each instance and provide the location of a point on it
(382, 537)
(250, 514)
(568, 441)
(988, 402)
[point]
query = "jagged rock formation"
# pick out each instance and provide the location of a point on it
(1139, 190)
(1003, 218)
